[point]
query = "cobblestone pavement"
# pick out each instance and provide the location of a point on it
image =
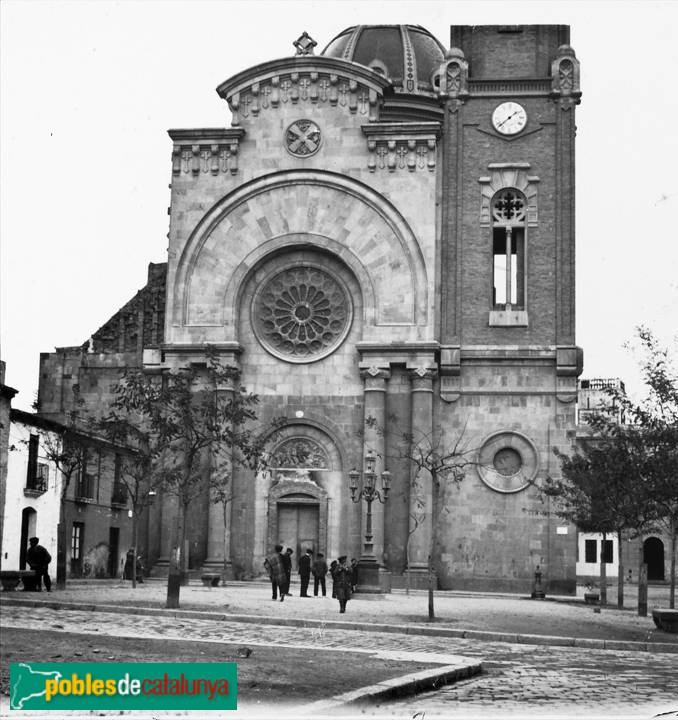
(508, 614)
(525, 679)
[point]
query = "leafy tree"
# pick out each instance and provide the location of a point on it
(197, 416)
(135, 469)
(656, 417)
(633, 467)
(604, 488)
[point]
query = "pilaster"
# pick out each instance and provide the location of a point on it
(372, 575)
(565, 92)
(219, 519)
(421, 496)
(453, 89)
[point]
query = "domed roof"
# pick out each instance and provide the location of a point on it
(408, 55)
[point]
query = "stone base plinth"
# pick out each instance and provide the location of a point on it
(418, 580)
(368, 577)
(215, 566)
(372, 578)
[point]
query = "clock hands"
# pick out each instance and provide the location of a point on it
(507, 118)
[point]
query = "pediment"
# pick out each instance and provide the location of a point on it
(300, 79)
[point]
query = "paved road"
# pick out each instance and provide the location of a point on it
(518, 679)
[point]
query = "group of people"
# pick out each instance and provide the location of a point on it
(344, 576)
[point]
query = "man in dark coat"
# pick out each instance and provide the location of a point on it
(38, 560)
(129, 565)
(276, 572)
(286, 559)
(342, 583)
(333, 567)
(319, 572)
(354, 574)
(305, 572)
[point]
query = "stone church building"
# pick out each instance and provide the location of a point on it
(384, 229)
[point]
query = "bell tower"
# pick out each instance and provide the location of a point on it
(509, 362)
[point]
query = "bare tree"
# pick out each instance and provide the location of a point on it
(444, 462)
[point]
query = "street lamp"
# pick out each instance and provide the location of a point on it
(365, 488)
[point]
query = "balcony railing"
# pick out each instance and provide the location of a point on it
(119, 497)
(36, 487)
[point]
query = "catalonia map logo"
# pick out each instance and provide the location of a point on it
(123, 686)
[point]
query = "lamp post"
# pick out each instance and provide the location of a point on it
(363, 487)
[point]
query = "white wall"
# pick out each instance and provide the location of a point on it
(584, 568)
(46, 505)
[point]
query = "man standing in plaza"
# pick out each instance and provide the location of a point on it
(342, 581)
(39, 559)
(319, 572)
(305, 572)
(286, 559)
(276, 572)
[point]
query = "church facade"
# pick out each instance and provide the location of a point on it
(384, 233)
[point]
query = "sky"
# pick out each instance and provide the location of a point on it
(89, 89)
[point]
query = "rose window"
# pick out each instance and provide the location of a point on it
(302, 314)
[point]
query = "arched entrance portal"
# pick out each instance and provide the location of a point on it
(298, 524)
(653, 555)
(298, 502)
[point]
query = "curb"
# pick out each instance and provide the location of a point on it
(397, 687)
(483, 635)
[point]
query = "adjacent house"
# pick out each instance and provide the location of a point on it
(95, 513)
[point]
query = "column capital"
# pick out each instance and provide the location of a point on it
(422, 372)
(374, 373)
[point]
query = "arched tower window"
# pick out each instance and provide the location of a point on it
(509, 208)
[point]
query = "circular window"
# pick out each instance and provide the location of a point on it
(301, 314)
(302, 138)
(508, 462)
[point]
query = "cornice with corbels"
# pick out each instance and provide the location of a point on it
(205, 151)
(394, 146)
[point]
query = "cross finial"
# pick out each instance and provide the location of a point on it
(305, 44)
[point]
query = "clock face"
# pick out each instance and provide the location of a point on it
(509, 118)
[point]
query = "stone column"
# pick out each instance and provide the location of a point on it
(218, 540)
(372, 577)
(168, 514)
(421, 492)
(218, 526)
